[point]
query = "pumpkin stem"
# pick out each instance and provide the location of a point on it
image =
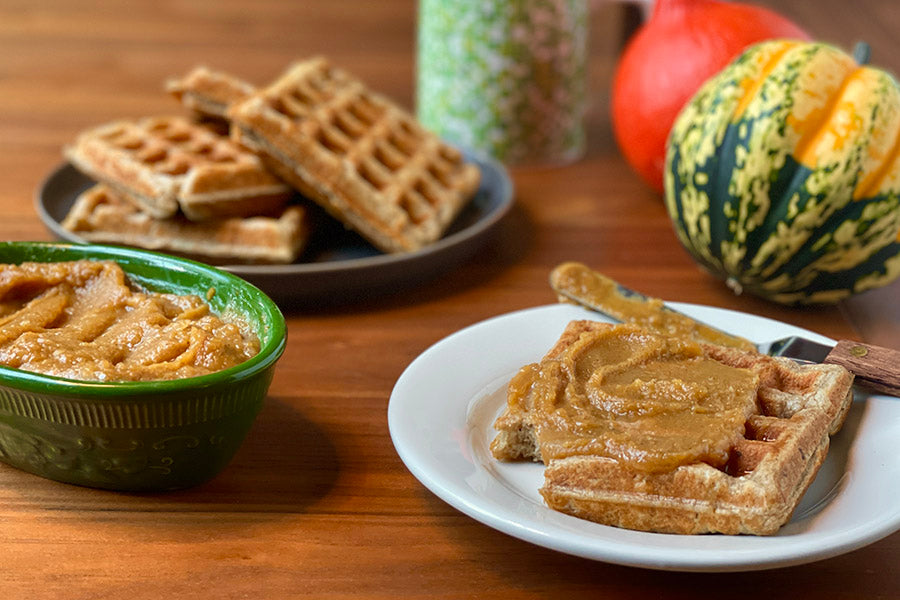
(861, 53)
(735, 286)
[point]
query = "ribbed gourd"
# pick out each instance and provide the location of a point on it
(783, 174)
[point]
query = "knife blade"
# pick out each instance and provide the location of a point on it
(875, 367)
(796, 347)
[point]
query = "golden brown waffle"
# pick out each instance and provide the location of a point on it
(103, 216)
(360, 156)
(209, 93)
(167, 163)
(755, 492)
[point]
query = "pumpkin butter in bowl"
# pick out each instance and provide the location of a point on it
(126, 369)
(81, 320)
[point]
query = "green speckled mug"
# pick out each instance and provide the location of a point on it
(506, 77)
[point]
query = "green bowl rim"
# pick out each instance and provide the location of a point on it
(268, 353)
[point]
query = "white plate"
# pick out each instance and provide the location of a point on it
(442, 409)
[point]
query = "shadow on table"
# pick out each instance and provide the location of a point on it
(506, 246)
(286, 464)
(528, 567)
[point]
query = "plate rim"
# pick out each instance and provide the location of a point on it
(759, 553)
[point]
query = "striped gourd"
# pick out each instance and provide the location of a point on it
(783, 174)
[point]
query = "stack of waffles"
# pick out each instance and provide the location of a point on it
(170, 184)
(191, 187)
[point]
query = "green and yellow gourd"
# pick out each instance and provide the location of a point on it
(783, 174)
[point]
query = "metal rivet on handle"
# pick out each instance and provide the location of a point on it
(859, 351)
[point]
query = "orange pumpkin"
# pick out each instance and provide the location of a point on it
(682, 44)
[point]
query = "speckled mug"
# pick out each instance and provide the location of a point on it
(506, 77)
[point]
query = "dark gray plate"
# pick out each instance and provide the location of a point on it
(339, 266)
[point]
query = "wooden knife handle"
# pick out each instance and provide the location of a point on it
(875, 367)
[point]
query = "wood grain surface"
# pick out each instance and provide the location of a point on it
(875, 367)
(317, 503)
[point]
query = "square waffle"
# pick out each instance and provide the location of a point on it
(356, 153)
(754, 491)
(101, 215)
(169, 163)
(209, 93)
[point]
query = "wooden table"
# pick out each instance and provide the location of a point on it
(317, 502)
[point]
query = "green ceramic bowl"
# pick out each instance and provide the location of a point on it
(139, 436)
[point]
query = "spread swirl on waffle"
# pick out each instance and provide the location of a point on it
(743, 473)
(169, 163)
(360, 156)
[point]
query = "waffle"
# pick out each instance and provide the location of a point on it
(361, 157)
(101, 215)
(754, 491)
(169, 163)
(209, 93)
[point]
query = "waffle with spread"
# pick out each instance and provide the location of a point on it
(360, 156)
(101, 215)
(167, 164)
(664, 434)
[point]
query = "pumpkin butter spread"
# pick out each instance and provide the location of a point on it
(575, 280)
(649, 401)
(81, 320)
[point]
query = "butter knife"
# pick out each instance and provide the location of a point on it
(874, 367)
